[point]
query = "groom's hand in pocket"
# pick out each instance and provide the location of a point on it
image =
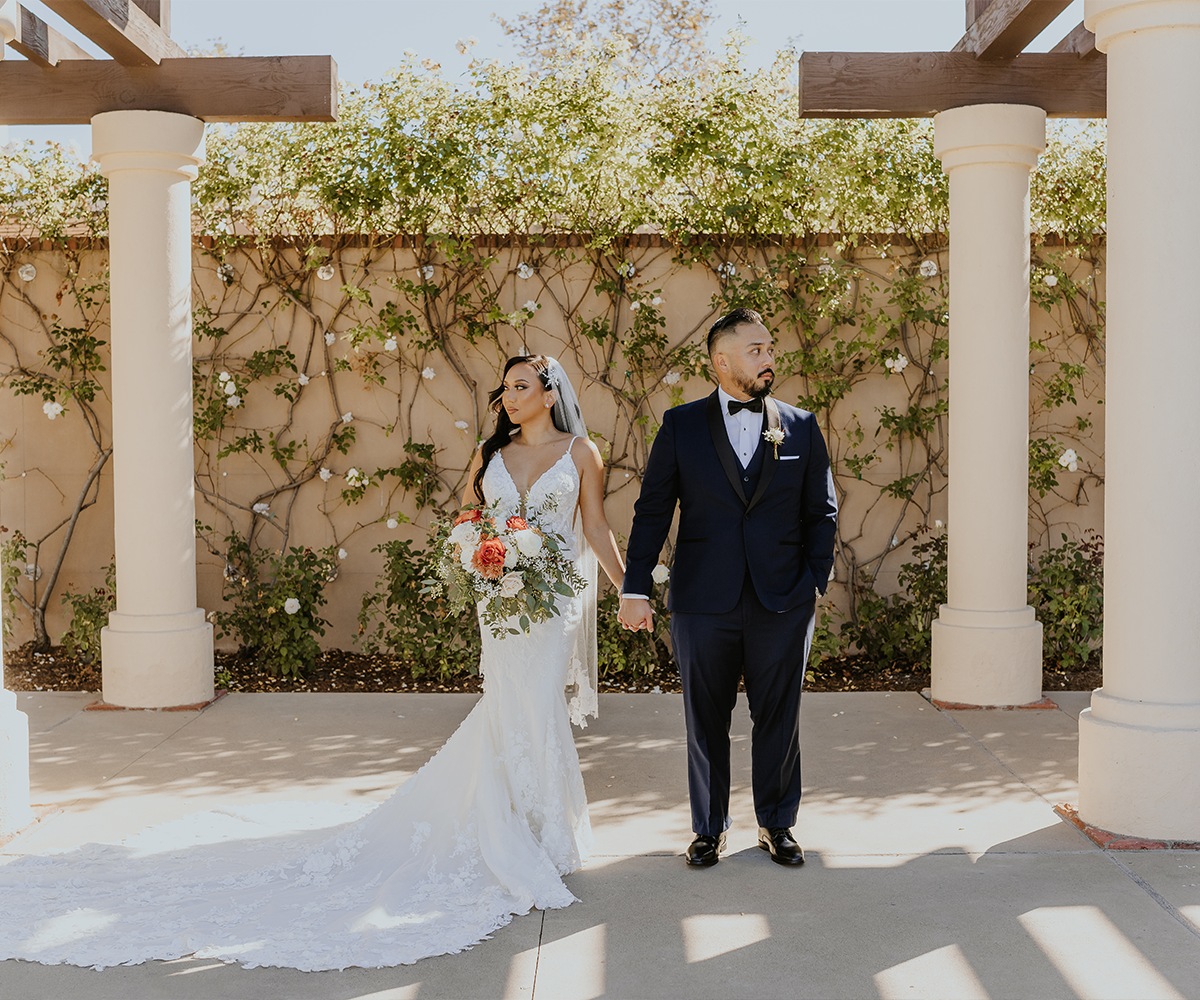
(635, 614)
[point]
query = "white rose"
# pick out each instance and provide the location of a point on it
(465, 534)
(671, 378)
(528, 541)
(1050, 280)
(224, 377)
(389, 344)
(325, 475)
(511, 584)
(230, 388)
(531, 306)
(392, 523)
(291, 605)
(511, 558)
(342, 553)
(347, 417)
(427, 372)
(660, 574)
(233, 400)
(303, 380)
(52, 409)
(461, 425)
(329, 339)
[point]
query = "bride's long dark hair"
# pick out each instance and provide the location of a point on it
(505, 428)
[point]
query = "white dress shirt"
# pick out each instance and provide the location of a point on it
(744, 429)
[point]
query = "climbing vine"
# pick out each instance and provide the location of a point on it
(358, 286)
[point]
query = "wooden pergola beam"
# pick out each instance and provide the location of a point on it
(42, 44)
(159, 11)
(243, 89)
(121, 28)
(920, 84)
(1080, 41)
(1005, 27)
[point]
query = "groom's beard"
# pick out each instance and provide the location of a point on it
(758, 388)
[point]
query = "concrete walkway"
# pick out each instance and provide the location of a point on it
(936, 867)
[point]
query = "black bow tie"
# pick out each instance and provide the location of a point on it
(753, 405)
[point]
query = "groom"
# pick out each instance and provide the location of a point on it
(757, 514)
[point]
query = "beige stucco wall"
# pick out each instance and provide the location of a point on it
(45, 461)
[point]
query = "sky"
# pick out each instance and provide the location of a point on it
(367, 37)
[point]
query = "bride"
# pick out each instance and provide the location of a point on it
(485, 830)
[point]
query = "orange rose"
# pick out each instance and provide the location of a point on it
(515, 523)
(488, 559)
(469, 515)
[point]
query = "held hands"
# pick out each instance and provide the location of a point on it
(636, 614)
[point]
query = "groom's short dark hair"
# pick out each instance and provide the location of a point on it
(728, 323)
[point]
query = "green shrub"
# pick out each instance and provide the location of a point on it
(895, 630)
(275, 604)
(397, 618)
(89, 614)
(1067, 592)
(628, 654)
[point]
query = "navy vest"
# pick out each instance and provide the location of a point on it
(752, 471)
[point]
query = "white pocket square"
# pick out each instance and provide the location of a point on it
(788, 458)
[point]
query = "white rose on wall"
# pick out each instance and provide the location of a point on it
(291, 605)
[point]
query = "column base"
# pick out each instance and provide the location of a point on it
(987, 658)
(157, 661)
(1138, 778)
(15, 810)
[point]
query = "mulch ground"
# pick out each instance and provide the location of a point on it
(339, 670)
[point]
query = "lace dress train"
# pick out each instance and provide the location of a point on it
(483, 831)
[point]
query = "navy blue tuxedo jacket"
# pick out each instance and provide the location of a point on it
(783, 534)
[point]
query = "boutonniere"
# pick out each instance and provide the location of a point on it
(774, 436)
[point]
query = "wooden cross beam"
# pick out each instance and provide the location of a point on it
(243, 89)
(1080, 41)
(121, 28)
(40, 43)
(1003, 28)
(920, 84)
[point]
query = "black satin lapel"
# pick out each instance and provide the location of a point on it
(770, 462)
(720, 440)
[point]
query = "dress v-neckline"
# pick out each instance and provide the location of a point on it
(532, 486)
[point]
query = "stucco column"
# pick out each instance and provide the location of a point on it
(1139, 743)
(987, 645)
(15, 812)
(157, 649)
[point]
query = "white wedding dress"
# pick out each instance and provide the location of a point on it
(483, 831)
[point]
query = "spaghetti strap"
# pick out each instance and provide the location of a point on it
(570, 445)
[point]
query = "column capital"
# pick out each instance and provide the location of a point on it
(989, 133)
(1109, 18)
(148, 140)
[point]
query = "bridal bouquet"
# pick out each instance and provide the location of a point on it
(509, 568)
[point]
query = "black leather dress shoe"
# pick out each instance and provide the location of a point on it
(783, 847)
(704, 851)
